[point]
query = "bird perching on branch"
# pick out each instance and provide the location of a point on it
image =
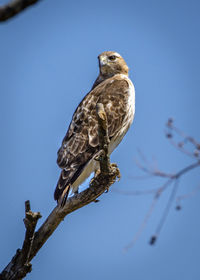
(80, 146)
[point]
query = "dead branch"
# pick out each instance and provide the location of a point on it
(20, 263)
(14, 7)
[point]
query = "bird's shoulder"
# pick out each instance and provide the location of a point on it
(86, 110)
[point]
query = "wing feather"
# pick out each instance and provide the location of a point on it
(81, 142)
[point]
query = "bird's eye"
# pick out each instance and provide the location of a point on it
(112, 57)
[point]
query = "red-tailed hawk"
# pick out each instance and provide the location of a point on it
(80, 145)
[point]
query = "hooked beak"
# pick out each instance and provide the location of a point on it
(102, 60)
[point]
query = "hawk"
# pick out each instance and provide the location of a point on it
(80, 146)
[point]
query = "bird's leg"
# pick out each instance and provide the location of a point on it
(75, 192)
(96, 173)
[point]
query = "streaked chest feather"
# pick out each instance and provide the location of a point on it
(93, 165)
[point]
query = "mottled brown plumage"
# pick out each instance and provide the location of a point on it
(115, 91)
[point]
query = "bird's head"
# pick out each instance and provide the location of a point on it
(111, 63)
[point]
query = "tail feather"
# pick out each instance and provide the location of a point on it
(63, 187)
(61, 193)
(62, 199)
(66, 180)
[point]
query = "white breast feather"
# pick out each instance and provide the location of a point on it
(131, 112)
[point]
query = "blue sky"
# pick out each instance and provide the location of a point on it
(48, 63)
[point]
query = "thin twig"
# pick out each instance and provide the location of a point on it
(143, 224)
(148, 214)
(185, 139)
(165, 213)
(185, 196)
(135, 192)
(171, 178)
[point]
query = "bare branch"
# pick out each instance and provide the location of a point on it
(180, 145)
(165, 213)
(143, 224)
(171, 179)
(185, 196)
(14, 7)
(30, 223)
(19, 265)
(99, 184)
